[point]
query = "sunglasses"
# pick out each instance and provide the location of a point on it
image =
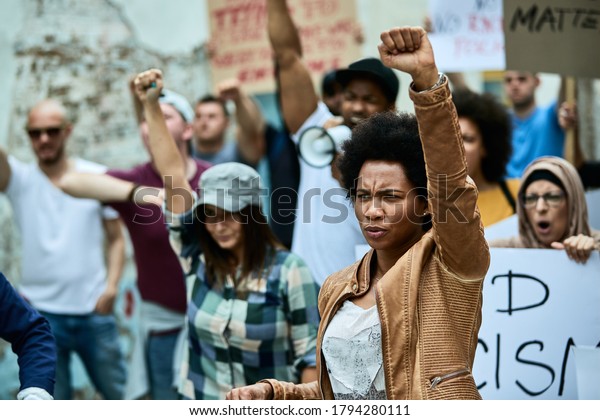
(36, 133)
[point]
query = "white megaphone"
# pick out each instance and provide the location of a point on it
(318, 146)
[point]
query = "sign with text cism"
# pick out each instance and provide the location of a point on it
(553, 36)
(467, 34)
(241, 49)
(537, 304)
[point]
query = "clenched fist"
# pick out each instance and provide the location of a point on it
(408, 49)
(149, 85)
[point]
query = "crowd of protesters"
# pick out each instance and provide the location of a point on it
(239, 304)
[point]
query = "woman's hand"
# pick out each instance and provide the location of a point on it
(578, 247)
(408, 49)
(260, 391)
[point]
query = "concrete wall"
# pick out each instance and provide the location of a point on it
(82, 52)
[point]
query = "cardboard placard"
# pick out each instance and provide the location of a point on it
(554, 36)
(467, 34)
(238, 29)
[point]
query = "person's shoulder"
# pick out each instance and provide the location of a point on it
(549, 109)
(318, 118)
(16, 163)
(3, 281)
(84, 165)
(340, 278)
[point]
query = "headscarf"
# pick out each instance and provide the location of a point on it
(575, 195)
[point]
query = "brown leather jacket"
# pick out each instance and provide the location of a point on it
(429, 302)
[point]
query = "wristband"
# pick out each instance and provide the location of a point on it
(131, 195)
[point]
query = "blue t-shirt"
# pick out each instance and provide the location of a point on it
(534, 136)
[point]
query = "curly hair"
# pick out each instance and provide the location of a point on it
(494, 124)
(386, 136)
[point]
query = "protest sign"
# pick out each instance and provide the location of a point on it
(554, 36)
(238, 30)
(467, 34)
(537, 304)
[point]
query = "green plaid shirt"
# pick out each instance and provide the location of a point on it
(266, 327)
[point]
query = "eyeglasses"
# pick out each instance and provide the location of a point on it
(36, 133)
(552, 199)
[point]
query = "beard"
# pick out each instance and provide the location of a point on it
(524, 103)
(53, 159)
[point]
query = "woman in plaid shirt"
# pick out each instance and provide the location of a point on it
(252, 305)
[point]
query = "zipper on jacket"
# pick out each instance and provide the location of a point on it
(439, 379)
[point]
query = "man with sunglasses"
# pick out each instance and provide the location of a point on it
(67, 274)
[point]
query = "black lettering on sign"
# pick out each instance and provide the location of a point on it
(510, 276)
(563, 368)
(533, 363)
(555, 19)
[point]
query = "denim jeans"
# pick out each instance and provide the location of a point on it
(95, 339)
(159, 358)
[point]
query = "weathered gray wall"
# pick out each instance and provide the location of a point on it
(82, 52)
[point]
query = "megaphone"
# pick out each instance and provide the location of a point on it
(318, 146)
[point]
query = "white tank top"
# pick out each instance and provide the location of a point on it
(352, 350)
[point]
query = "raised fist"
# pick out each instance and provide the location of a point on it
(408, 49)
(149, 85)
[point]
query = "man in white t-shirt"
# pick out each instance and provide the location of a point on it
(326, 232)
(65, 273)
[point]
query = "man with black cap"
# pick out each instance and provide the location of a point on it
(326, 231)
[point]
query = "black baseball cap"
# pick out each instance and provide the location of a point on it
(373, 69)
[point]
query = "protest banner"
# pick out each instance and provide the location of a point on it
(554, 36)
(467, 34)
(537, 304)
(238, 30)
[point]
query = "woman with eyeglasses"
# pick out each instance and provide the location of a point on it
(552, 211)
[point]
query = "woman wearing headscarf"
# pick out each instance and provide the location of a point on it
(552, 211)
